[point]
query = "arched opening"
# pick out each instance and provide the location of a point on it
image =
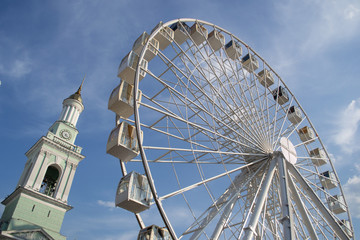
(50, 181)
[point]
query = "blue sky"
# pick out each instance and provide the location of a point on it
(46, 48)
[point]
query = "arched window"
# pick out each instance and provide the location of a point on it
(50, 181)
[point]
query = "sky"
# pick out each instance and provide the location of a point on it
(47, 47)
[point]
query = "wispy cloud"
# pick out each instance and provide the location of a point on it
(298, 37)
(351, 12)
(108, 204)
(352, 193)
(346, 128)
(16, 68)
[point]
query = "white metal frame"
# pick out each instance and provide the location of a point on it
(217, 114)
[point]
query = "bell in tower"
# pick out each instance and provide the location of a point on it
(36, 208)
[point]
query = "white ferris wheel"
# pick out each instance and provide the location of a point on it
(216, 145)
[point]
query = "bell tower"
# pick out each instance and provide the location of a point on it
(36, 208)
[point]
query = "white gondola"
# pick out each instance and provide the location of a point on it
(280, 95)
(250, 63)
(198, 33)
(336, 204)
(154, 232)
(345, 225)
(123, 143)
(294, 115)
(121, 100)
(181, 32)
(318, 157)
(165, 36)
(153, 47)
(133, 193)
(306, 134)
(128, 66)
(328, 180)
(233, 50)
(266, 78)
(216, 40)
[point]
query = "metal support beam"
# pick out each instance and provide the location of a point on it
(259, 205)
(301, 207)
(321, 207)
(287, 217)
(223, 220)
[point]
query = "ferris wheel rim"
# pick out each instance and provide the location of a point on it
(138, 123)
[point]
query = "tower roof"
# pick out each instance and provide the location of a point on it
(77, 94)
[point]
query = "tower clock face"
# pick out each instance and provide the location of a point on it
(65, 134)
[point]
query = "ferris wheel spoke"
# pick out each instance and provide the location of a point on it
(181, 97)
(196, 126)
(252, 100)
(210, 83)
(224, 70)
(195, 185)
(175, 136)
(280, 132)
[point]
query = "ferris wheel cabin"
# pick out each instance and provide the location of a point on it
(328, 180)
(121, 100)
(318, 157)
(133, 193)
(294, 115)
(307, 135)
(250, 62)
(216, 40)
(181, 32)
(345, 225)
(198, 33)
(233, 50)
(127, 68)
(165, 36)
(154, 232)
(265, 78)
(123, 143)
(336, 204)
(151, 51)
(280, 95)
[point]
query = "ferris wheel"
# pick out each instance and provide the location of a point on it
(214, 145)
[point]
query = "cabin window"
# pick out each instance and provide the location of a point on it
(50, 181)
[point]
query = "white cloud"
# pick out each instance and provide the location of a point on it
(300, 36)
(351, 12)
(17, 68)
(109, 204)
(346, 127)
(352, 194)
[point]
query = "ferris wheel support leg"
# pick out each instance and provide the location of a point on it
(260, 201)
(230, 196)
(224, 218)
(287, 217)
(321, 207)
(301, 207)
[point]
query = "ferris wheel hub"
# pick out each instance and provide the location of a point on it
(288, 150)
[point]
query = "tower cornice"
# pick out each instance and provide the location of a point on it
(61, 145)
(19, 190)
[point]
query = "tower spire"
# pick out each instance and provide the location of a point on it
(72, 107)
(79, 90)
